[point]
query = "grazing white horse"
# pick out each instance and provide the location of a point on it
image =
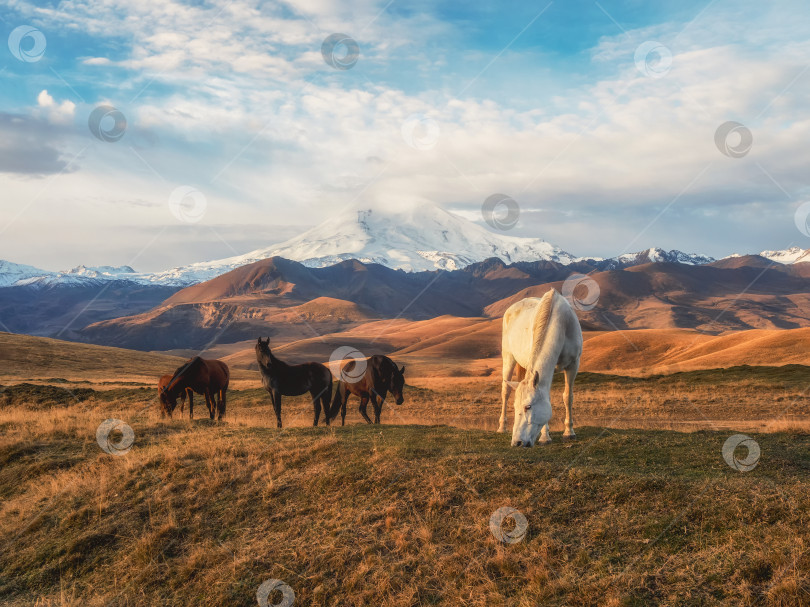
(540, 334)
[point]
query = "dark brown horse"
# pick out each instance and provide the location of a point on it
(168, 400)
(281, 379)
(207, 377)
(381, 377)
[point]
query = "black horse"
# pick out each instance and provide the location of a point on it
(381, 377)
(281, 379)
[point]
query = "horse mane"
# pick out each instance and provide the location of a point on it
(542, 318)
(181, 370)
(273, 362)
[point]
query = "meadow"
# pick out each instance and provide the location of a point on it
(202, 513)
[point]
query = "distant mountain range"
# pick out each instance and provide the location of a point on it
(413, 238)
(289, 301)
(412, 262)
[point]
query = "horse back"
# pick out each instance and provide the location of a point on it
(219, 374)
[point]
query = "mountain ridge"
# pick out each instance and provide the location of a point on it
(413, 237)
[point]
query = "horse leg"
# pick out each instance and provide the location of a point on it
(210, 403)
(326, 396)
(363, 404)
(568, 397)
(222, 400)
(344, 399)
(509, 363)
(545, 437)
(190, 405)
(316, 403)
(275, 396)
(377, 400)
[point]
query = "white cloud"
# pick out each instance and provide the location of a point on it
(56, 113)
(242, 119)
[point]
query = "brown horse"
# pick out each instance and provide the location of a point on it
(207, 377)
(281, 379)
(381, 377)
(168, 400)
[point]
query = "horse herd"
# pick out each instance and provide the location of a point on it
(540, 335)
(211, 378)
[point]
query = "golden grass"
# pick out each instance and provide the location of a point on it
(202, 513)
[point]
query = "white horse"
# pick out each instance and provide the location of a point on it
(539, 336)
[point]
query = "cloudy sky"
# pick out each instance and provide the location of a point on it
(600, 119)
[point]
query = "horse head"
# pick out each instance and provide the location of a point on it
(532, 411)
(397, 383)
(263, 354)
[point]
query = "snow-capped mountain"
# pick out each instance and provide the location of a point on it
(413, 237)
(15, 274)
(787, 256)
(654, 255)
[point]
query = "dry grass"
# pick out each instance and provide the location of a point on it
(397, 515)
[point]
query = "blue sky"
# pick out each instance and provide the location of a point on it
(542, 101)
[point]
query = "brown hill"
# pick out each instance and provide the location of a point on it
(288, 301)
(24, 357)
(708, 298)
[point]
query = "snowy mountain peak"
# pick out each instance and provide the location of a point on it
(787, 256)
(100, 271)
(411, 236)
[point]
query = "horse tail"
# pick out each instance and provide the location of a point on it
(337, 400)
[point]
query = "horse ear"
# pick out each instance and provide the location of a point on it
(536, 379)
(402, 370)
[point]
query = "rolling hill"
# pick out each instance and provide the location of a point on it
(288, 301)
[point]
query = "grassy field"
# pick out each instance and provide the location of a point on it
(201, 513)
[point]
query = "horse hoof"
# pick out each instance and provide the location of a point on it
(543, 441)
(571, 436)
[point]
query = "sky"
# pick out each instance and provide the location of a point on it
(159, 133)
